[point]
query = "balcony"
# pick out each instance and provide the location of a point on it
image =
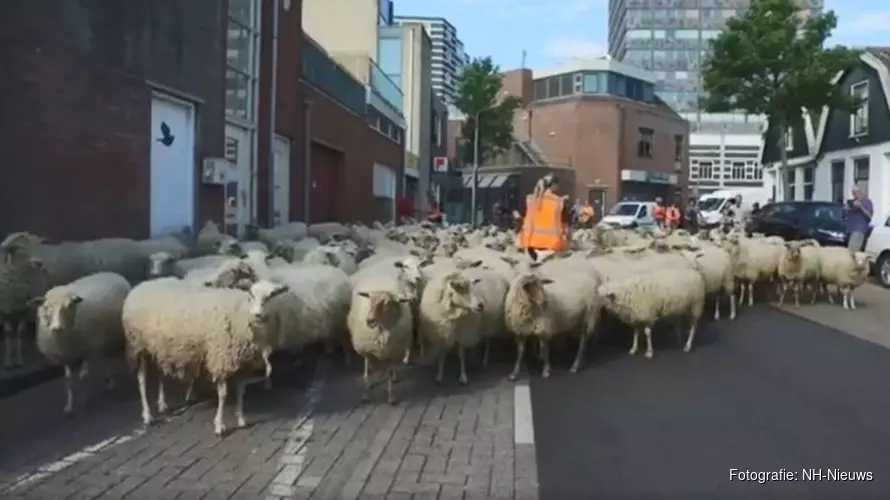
(367, 72)
(323, 72)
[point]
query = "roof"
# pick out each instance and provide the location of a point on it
(881, 53)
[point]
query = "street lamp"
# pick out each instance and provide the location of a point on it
(475, 184)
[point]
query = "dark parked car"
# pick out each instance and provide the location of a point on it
(822, 221)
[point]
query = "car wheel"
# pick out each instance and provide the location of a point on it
(882, 269)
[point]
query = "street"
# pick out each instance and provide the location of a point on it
(770, 391)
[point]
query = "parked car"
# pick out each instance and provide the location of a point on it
(822, 221)
(628, 214)
(877, 246)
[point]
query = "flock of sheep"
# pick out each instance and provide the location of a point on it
(214, 308)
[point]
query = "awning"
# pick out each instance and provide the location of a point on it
(499, 180)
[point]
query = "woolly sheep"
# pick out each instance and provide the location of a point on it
(238, 248)
(381, 324)
(189, 330)
(81, 322)
(491, 289)
(333, 256)
(295, 231)
(716, 267)
(294, 251)
(755, 260)
(449, 317)
(640, 301)
(541, 305)
(164, 264)
(22, 278)
(845, 270)
(798, 265)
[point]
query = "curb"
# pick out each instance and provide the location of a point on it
(29, 378)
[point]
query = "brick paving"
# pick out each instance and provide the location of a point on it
(320, 442)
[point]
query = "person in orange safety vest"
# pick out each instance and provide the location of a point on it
(659, 212)
(672, 217)
(585, 215)
(544, 228)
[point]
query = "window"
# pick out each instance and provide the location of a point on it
(706, 170)
(643, 212)
(242, 46)
(789, 139)
(861, 169)
(790, 181)
(809, 179)
(678, 148)
(859, 118)
(738, 170)
(591, 84)
(644, 144)
(540, 89)
(838, 172)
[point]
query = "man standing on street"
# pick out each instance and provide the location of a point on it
(858, 212)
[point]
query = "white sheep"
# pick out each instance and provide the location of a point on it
(542, 304)
(491, 289)
(716, 267)
(294, 251)
(188, 330)
(331, 255)
(231, 246)
(845, 270)
(80, 322)
(381, 324)
(641, 300)
(798, 265)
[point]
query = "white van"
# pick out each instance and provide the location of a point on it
(710, 205)
(631, 214)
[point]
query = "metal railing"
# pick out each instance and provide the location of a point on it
(385, 87)
(322, 71)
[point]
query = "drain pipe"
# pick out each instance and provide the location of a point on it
(270, 171)
(307, 160)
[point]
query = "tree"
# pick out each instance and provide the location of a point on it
(479, 96)
(770, 62)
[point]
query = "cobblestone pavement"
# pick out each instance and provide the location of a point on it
(870, 321)
(306, 440)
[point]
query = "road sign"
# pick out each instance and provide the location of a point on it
(440, 164)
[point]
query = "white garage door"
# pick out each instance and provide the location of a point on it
(172, 202)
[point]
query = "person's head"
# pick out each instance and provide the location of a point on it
(738, 199)
(692, 202)
(755, 206)
(857, 192)
(547, 183)
(658, 200)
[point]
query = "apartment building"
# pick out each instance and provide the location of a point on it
(448, 54)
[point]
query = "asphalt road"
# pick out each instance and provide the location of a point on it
(768, 392)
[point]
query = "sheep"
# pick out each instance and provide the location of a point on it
(22, 279)
(237, 248)
(295, 231)
(716, 268)
(333, 256)
(491, 289)
(755, 260)
(798, 264)
(187, 329)
(381, 324)
(163, 264)
(294, 251)
(81, 322)
(640, 301)
(208, 239)
(541, 304)
(845, 269)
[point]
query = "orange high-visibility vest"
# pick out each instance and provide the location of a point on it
(673, 214)
(658, 212)
(586, 213)
(542, 227)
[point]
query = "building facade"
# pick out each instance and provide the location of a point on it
(448, 55)
(670, 38)
(830, 151)
(601, 118)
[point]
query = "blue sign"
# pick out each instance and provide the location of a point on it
(658, 177)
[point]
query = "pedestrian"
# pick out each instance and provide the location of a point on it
(435, 215)
(858, 213)
(586, 215)
(546, 223)
(690, 216)
(671, 217)
(658, 213)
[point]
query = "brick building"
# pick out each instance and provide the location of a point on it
(111, 110)
(601, 118)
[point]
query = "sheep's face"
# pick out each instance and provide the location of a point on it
(384, 307)
(792, 252)
(532, 287)
(229, 246)
(260, 294)
(412, 269)
(331, 258)
(160, 264)
(458, 296)
(284, 251)
(57, 312)
(237, 274)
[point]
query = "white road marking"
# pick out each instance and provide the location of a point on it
(523, 420)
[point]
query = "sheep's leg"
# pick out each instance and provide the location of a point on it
(7, 345)
(163, 407)
(462, 357)
(544, 348)
(852, 298)
(828, 293)
(407, 359)
(732, 306)
(750, 294)
(796, 285)
(520, 353)
(579, 356)
(267, 364)
(647, 330)
(240, 389)
(222, 392)
(84, 380)
(141, 377)
(742, 292)
(636, 345)
(782, 290)
(69, 391)
(440, 369)
(390, 394)
(691, 337)
(717, 307)
(486, 351)
(814, 292)
(19, 344)
(189, 391)
(845, 296)
(366, 380)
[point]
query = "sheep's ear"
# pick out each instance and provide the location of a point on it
(477, 280)
(36, 301)
(415, 252)
(511, 261)
(404, 299)
(426, 262)
(399, 264)
(476, 263)
(611, 296)
(364, 294)
(535, 265)
(208, 284)
(77, 299)
(279, 289)
(546, 281)
(268, 258)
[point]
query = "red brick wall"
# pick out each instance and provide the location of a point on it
(76, 109)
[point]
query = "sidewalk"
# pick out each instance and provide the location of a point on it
(35, 371)
(869, 321)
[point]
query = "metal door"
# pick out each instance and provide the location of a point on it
(597, 198)
(237, 198)
(281, 179)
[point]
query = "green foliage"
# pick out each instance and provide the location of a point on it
(479, 94)
(770, 62)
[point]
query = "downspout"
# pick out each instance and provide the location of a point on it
(255, 132)
(270, 171)
(307, 159)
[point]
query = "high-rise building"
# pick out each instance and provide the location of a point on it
(449, 57)
(671, 39)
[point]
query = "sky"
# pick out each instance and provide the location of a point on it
(553, 31)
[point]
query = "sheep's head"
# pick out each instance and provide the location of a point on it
(792, 251)
(260, 294)
(285, 250)
(330, 257)
(384, 307)
(18, 244)
(860, 260)
(532, 287)
(467, 264)
(238, 274)
(160, 264)
(412, 269)
(57, 311)
(229, 246)
(458, 296)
